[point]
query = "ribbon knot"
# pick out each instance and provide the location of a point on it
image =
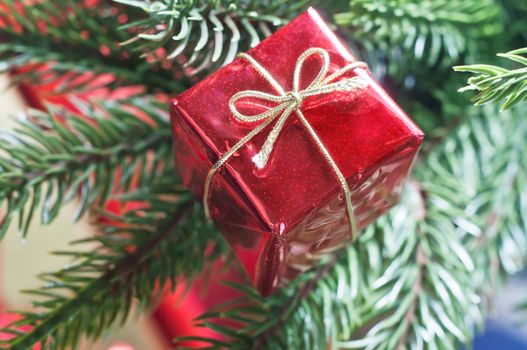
(295, 96)
(287, 103)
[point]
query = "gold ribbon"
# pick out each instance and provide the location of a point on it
(287, 103)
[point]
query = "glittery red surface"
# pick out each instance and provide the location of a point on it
(291, 213)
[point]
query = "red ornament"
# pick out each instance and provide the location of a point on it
(290, 212)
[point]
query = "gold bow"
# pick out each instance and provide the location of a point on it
(287, 103)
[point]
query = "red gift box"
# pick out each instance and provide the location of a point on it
(291, 212)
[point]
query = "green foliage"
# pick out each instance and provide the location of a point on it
(120, 267)
(52, 158)
(410, 46)
(424, 273)
(72, 36)
(495, 83)
(515, 12)
(428, 32)
(204, 34)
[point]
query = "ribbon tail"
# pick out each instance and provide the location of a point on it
(261, 158)
(224, 159)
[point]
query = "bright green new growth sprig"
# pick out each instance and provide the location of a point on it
(495, 83)
(423, 274)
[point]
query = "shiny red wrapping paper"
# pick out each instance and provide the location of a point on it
(289, 214)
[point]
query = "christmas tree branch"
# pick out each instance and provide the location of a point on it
(495, 83)
(49, 160)
(426, 261)
(428, 32)
(61, 60)
(123, 270)
(205, 35)
(74, 36)
(136, 255)
(302, 292)
(410, 47)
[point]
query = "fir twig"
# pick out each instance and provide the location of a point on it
(50, 158)
(495, 83)
(203, 35)
(137, 254)
(425, 32)
(73, 36)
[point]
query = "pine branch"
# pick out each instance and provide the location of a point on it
(49, 160)
(495, 83)
(427, 279)
(72, 36)
(206, 34)
(411, 45)
(425, 32)
(136, 255)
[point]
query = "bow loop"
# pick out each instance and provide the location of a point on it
(300, 64)
(282, 101)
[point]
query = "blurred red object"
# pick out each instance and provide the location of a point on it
(70, 87)
(176, 313)
(6, 319)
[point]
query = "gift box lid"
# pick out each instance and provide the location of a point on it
(359, 128)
